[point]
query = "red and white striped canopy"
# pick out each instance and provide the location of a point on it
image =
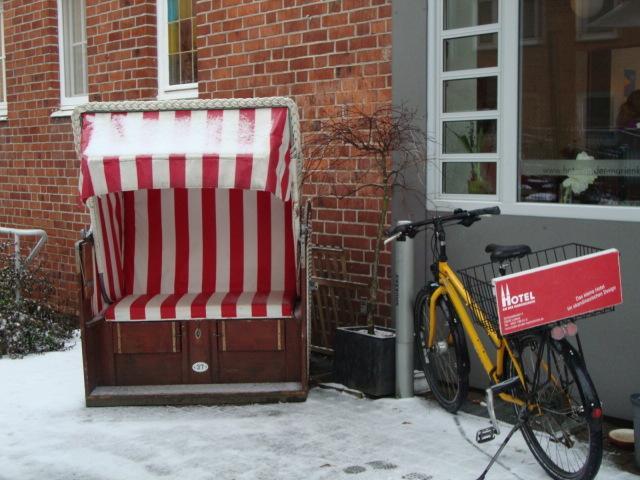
(246, 148)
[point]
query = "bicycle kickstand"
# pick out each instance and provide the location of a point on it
(515, 428)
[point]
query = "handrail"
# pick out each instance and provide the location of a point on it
(18, 233)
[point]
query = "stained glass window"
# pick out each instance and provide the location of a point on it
(182, 46)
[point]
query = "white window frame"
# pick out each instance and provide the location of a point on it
(3, 56)
(507, 131)
(67, 102)
(165, 90)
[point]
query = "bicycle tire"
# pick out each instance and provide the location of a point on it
(565, 433)
(446, 365)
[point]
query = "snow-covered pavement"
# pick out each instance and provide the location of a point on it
(47, 433)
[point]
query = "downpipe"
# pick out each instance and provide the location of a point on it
(403, 252)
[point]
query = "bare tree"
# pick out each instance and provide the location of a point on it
(373, 136)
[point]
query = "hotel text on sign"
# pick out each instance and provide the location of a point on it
(561, 290)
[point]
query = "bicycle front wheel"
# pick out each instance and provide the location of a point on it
(446, 362)
(563, 426)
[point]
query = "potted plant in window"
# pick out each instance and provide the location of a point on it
(364, 356)
(472, 142)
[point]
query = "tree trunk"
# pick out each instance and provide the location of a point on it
(373, 287)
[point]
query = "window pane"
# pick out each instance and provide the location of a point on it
(469, 13)
(194, 61)
(78, 70)
(185, 9)
(469, 178)
(469, 136)
(1, 36)
(174, 38)
(193, 33)
(77, 12)
(186, 68)
(2, 80)
(471, 94)
(580, 107)
(185, 36)
(530, 26)
(476, 51)
(172, 10)
(74, 54)
(174, 69)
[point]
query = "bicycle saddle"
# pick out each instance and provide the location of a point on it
(499, 253)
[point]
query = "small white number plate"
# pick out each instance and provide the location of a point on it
(200, 367)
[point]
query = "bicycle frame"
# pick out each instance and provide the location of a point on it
(451, 286)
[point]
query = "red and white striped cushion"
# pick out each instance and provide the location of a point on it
(168, 243)
(193, 306)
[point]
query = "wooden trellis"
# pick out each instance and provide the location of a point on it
(335, 298)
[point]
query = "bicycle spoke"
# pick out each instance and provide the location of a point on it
(557, 429)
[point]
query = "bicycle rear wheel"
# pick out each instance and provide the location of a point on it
(563, 426)
(446, 363)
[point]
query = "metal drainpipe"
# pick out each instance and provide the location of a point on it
(403, 289)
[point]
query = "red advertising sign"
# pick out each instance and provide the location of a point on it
(557, 291)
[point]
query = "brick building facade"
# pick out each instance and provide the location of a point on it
(323, 53)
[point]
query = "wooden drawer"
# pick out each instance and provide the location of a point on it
(148, 369)
(252, 335)
(152, 337)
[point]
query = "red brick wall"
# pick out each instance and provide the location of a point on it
(38, 170)
(324, 53)
(121, 50)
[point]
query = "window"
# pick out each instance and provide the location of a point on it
(468, 112)
(177, 54)
(3, 68)
(72, 41)
(540, 114)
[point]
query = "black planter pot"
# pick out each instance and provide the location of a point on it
(365, 362)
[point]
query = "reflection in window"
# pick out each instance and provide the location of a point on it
(531, 22)
(580, 105)
(478, 178)
(471, 94)
(469, 136)
(475, 51)
(587, 13)
(469, 13)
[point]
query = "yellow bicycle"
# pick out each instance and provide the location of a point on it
(540, 372)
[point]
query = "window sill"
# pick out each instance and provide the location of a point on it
(67, 104)
(532, 209)
(179, 92)
(64, 111)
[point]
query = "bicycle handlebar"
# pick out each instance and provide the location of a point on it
(463, 217)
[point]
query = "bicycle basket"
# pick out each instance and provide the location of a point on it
(477, 279)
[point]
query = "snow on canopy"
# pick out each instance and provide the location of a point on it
(248, 148)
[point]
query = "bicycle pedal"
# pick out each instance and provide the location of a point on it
(486, 435)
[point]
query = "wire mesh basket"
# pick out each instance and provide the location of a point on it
(477, 279)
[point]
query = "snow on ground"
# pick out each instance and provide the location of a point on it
(47, 433)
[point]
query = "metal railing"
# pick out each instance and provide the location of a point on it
(18, 233)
